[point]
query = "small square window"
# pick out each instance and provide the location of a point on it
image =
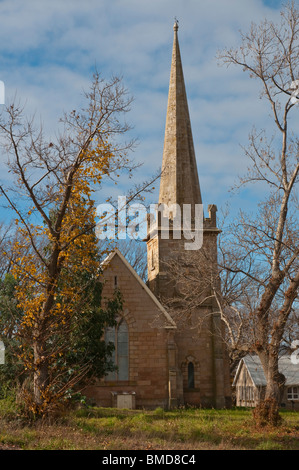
(293, 393)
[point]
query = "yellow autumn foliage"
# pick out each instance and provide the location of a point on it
(74, 243)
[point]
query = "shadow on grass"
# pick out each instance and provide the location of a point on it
(228, 428)
(111, 428)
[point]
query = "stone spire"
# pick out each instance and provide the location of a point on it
(179, 180)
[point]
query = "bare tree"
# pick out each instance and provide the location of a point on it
(264, 249)
(256, 285)
(200, 281)
(52, 198)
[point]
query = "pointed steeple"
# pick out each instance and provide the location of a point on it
(179, 180)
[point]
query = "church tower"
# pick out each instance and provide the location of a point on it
(202, 372)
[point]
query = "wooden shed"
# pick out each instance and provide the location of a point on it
(250, 382)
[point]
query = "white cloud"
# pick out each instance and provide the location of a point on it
(49, 50)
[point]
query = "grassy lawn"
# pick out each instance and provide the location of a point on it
(111, 429)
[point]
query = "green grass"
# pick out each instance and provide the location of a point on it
(112, 429)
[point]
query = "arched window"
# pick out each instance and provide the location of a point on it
(119, 336)
(190, 375)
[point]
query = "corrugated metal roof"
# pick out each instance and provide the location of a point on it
(285, 366)
(289, 370)
(255, 369)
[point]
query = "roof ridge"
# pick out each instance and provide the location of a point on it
(116, 251)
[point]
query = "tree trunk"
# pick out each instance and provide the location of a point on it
(41, 371)
(41, 376)
(267, 411)
(275, 380)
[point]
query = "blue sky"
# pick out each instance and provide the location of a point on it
(49, 49)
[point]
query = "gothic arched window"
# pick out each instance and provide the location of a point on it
(119, 337)
(190, 375)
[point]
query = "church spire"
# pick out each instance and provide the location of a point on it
(179, 180)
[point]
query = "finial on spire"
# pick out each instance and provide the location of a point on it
(176, 24)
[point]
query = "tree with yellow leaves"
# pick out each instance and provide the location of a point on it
(57, 261)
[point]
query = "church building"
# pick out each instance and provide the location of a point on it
(160, 362)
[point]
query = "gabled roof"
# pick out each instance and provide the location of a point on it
(256, 372)
(116, 252)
